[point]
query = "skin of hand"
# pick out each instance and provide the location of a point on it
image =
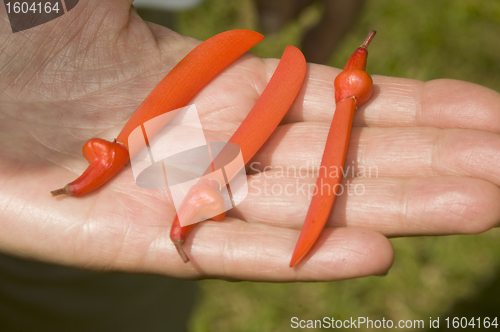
(435, 148)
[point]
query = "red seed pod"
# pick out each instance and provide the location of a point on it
(106, 160)
(353, 87)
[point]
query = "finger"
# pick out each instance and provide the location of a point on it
(402, 102)
(240, 251)
(391, 206)
(390, 152)
(442, 103)
(411, 152)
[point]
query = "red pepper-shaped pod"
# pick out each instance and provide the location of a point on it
(105, 159)
(259, 124)
(353, 87)
(178, 87)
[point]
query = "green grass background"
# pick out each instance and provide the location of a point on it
(432, 276)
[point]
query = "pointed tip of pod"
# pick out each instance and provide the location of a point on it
(300, 252)
(295, 260)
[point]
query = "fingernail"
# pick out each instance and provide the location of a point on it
(383, 274)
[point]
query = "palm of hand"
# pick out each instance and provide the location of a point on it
(61, 89)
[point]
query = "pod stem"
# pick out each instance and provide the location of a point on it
(178, 245)
(62, 191)
(369, 39)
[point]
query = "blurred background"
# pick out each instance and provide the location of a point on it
(431, 277)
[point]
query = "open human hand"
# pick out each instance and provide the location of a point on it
(422, 159)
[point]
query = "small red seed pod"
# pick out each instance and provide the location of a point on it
(106, 159)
